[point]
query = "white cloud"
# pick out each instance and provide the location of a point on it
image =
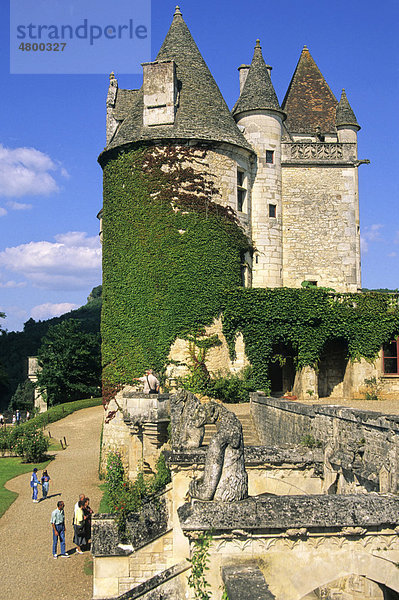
(12, 284)
(48, 310)
(392, 254)
(370, 234)
(27, 171)
(18, 205)
(72, 262)
(2, 212)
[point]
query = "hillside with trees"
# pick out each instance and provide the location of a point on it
(16, 346)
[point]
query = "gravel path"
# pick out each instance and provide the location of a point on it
(28, 570)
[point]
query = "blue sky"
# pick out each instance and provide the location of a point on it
(53, 128)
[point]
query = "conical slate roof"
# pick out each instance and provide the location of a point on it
(258, 91)
(309, 102)
(201, 114)
(345, 114)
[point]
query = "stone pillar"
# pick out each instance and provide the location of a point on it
(306, 384)
(40, 403)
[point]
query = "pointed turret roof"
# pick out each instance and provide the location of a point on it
(258, 91)
(345, 114)
(201, 113)
(309, 102)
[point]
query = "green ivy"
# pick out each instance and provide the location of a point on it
(305, 320)
(170, 252)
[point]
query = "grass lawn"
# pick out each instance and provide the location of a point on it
(10, 468)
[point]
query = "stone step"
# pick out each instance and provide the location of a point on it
(248, 429)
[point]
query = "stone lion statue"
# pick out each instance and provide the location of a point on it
(185, 432)
(225, 478)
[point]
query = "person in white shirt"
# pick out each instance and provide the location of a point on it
(151, 383)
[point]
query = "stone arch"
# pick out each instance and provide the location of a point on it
(333, 369)
(343, 564)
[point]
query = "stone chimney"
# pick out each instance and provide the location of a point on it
(160, 93)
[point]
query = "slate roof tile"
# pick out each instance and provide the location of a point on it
(258, 91)
(309, 102)
(202, 113)
(345, 114)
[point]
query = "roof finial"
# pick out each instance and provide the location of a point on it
(177, 11)
(305, 47)
(257, 45)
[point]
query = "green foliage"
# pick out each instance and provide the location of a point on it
(27, 442)
(306, 320)
(199, 564)
(70, 363)
(32, 446)
(233, 388)
(310, 442)
(15, 346)
(169, 249)
(23, 397)
(55, 413)
(122, 495)
(374, 388)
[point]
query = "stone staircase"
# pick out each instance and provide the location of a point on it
(242, 411)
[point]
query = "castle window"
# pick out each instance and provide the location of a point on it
(272, 210)
(390, 357)
(270, 156)
(241, 191)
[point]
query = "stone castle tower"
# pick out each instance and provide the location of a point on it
(289, 171)
(286, 172)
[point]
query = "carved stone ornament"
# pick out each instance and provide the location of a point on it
(225, 478)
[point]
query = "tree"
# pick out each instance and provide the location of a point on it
(70, 363)
(23, 397)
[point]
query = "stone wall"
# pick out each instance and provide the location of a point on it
(217, 361)
(362, 446)
(321, 227)
(300, 543)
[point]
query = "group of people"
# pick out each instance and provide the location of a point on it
(44, 481)
(81, 516)
(81, 526)
(16, 418)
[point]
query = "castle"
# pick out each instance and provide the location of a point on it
(289, 171)
(181, 171)
(229, 226)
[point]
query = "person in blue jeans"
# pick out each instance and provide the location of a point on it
(58, 524)
(34, 482)
(45, 484)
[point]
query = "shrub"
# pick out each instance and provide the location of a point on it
(32, 445)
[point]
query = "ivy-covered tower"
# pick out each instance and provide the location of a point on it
(199, 200)
(173, 240)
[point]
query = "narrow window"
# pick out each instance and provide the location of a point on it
(241, 191)
(390, 354)
(270, 156)
(272, 210)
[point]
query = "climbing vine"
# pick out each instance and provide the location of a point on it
(304, 321)
(199, 565)
(170, 251)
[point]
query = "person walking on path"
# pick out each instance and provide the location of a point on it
(45, 484)
(34, 482)
(58, 524)
(79, 527)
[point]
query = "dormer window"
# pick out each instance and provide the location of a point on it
(241, 191)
